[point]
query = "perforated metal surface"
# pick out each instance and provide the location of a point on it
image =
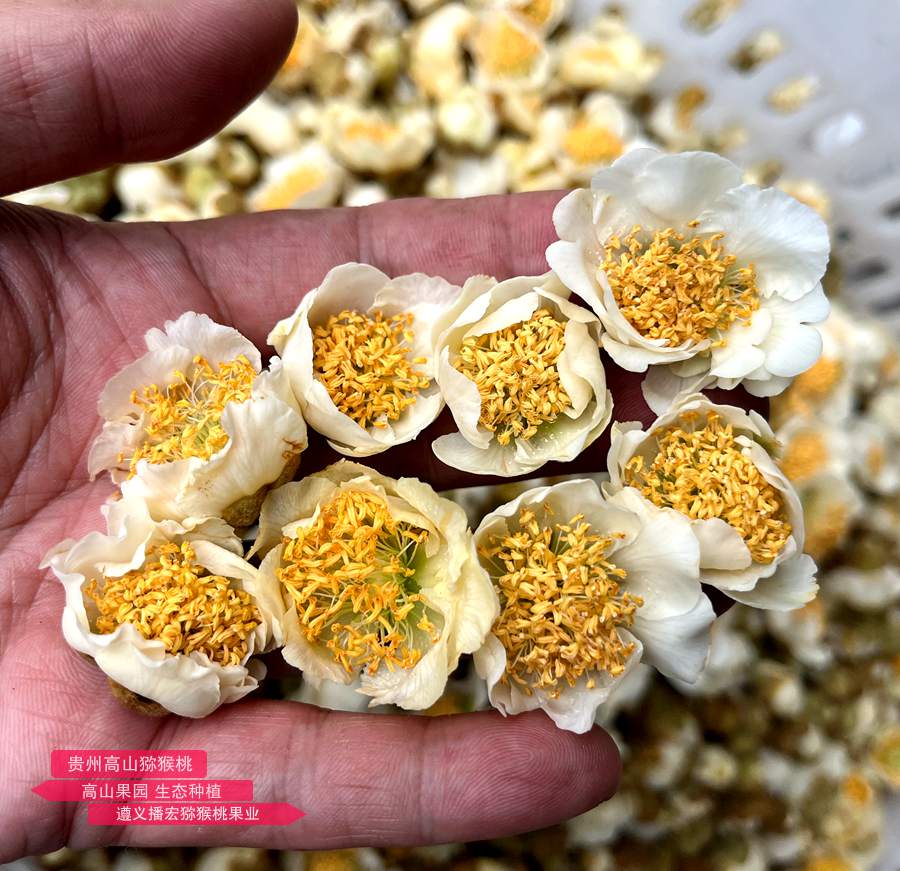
(847, 135)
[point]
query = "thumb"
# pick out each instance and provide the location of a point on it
(89, 83)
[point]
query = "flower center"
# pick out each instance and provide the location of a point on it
(536, 11)
(828, 863)
(817, 382)
(678, 289)
(561, 604)
(173, 600)
(283, 194)
(886, 755)
(371, 129)
(805, 454)
(184, 419)
(515, 370)
(351, 577)
(827, 525)
(703, 473)
(364, 363)
(506, 50)
(590, 143)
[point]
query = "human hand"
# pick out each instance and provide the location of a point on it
(92, 83)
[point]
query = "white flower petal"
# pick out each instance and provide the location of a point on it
(786, 241)
(203, 336)
(791, 349)
(792, 586)
(678, 187)
(677, 646)
(721, 545)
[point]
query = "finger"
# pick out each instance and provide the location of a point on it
(89, 83)
(376, 780)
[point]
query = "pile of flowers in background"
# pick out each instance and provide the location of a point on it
(781, 755)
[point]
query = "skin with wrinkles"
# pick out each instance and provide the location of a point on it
(75, 301)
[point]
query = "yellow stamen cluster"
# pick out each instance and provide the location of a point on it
(589, 143)
(805, 455)
(507, 50)
(538, 12)
(374, 130)
(173, 600)
(351, 577)
(678, 289)
(814, 385)
(364, 363)
(826, 526)
(184, 419)
(702, 472)
(515, 370)
(828, 863)
(561, 604)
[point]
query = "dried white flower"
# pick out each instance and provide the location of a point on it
(588, 587)
(142, 601)
(520, 369)
(308, 178)
(509, 54)
(365, 402)
(701, 278)
(372, 579)
(375, 140)
(198, 424)
(714, 463)
(607, 57)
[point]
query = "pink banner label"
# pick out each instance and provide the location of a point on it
(146, 790)
(154, 814)
(127, 764)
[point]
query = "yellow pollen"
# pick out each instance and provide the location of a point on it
(828, 863)
(686, 104)
(374, 130)
(598, 54)
(284, 193)
(703, 473)
(515, 370)
(505, 50)
(184, 419)
(857, 789)
(875, 459)
(590, 143)
(826, 528)
(173, 600)
(814, 385)
(364, 363)
(536, 11)
(561, 604)
(805, 455)
(350, 575)
(678, 289)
